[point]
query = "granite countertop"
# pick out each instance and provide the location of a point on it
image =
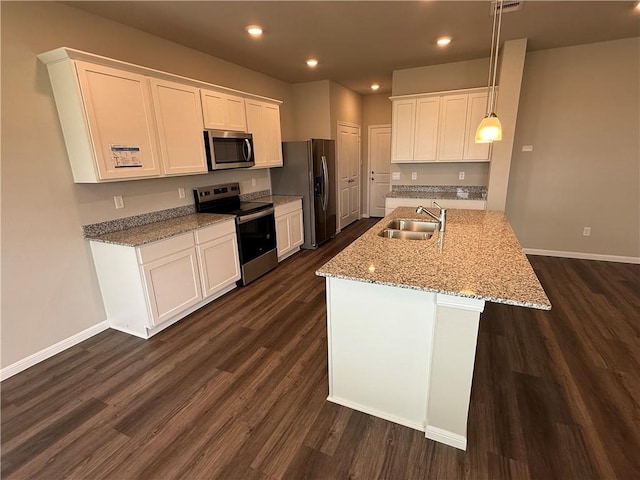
(278, 199)
(152, 232)
(480, 258)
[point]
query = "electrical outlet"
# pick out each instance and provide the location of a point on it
(254, 182)
(461, 176)
(395, 175)
(586, 231)
(527, 148)
(118, 201)
(180, 192)
(414, 175)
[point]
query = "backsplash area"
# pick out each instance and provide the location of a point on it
(475, 173)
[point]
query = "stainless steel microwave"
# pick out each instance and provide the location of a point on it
(227, 149)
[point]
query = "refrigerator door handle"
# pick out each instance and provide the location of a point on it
(325, 186)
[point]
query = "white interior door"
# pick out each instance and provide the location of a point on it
(348, 161)
(379, 167)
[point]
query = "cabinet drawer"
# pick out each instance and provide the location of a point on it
(215, 231)
(162, 248)
(288, 208)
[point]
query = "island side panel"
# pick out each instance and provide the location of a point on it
(380, 341)
(454, 351)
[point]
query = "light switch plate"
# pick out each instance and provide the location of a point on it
(395, 175)
(527, 148)
(181, 192)
(414, 175)
(118, 201)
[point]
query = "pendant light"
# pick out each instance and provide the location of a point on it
(490, 128)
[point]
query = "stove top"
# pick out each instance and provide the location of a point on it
(225, 199)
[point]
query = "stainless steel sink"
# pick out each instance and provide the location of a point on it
(405, 234)
(413, 226)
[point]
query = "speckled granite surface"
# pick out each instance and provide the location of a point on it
(254, 196)
(445, 192)
(96, 229)
(137, 236)
(278, 199)
(480, 258)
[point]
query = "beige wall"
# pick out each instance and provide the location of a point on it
(437, 78)
(49, 287)
(346, 106)
(580, 109)
(312, 110)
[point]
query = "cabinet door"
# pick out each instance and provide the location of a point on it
(273, 135)
(119, 114)
(172, 284)
(222, 111)
(178, 113)
(453, 118)
(296, 228)
(219, 264)
(256, 124)
(476, 110)
(426, 136)
(402, 130)
(283, 236)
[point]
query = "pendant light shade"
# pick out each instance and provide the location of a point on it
(490, 128)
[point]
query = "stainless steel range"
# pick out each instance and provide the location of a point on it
(255, 227)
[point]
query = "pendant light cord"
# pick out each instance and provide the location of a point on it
(495, 65)
(489, 108)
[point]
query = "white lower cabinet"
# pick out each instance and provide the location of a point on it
(390, 204)
(145, 289)
(289, 228)
(218, 253)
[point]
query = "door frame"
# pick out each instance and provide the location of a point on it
(369, 166)
(337, 185)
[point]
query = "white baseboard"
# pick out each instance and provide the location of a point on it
(582, 256)
(42, 355)
(446, 437)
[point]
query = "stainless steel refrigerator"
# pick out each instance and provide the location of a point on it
(309, 170)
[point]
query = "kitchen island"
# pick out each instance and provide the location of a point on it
(403, 316)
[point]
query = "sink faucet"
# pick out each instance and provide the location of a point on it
(440, 219)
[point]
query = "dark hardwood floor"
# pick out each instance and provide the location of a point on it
(238, 391)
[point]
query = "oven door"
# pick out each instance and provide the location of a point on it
(257, 242)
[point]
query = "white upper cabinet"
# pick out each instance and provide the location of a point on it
(453, 122)
(403, 131)
(438, 127)
(179, 118)
(222, 111)
(109, 129)
(124, 122)
(263, 122)
(476, 109)
(426, 130)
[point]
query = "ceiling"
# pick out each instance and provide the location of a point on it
(361, 42)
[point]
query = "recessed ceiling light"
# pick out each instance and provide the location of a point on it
(312, 62)
(254, 30)
(375, 86)
(443, 41)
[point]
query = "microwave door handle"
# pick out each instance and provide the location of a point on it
(247, 150)
(325, 186)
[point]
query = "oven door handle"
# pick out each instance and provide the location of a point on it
(253, 216)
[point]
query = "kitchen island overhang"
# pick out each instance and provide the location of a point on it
(403, 317)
